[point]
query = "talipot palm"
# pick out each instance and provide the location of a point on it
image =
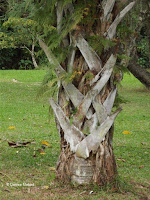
(84, 105)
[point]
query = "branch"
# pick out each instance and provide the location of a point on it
(25, 47)
(112, 29)
(32, 53)
(89, 54)
(92, 141)
(71, 133)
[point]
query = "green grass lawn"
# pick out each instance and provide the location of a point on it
(30, 118)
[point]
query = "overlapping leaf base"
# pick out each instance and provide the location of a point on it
(83, 111)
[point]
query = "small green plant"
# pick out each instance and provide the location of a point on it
(25, 64)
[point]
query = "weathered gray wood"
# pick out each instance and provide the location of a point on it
(112, 29)
(95, 79)
(83, 108)
(109, 102)
(73, 93)
(71, 59)
(71, 133)
(100, 111)
(90, 56)
(51, 58)
(59, 12)
(107, 8)
(92, 141)
(108, 68)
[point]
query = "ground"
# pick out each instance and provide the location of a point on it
(26, 118)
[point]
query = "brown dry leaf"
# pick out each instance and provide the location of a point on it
(121, 159)
(143, 143)
(18, 144)
(141, 166)
(41, 151)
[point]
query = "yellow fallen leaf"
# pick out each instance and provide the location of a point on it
(126, 132)
(11, 127)
(46, 143)
(42, 153)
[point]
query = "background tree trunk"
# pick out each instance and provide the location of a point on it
(140, 73)
(132, 42)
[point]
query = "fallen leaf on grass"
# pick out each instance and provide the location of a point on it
(126, 132)
(141, 166)
(41, 151)
(45, 143)
(114, 189)
(123, 160)
(11, 127)
(18, 144)
(7, 190)
(143, 143)
(82, 192)
(52, 168)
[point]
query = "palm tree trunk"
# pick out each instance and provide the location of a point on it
(83, 110)
(99, 168)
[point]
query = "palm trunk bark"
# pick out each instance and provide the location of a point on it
(83, 110)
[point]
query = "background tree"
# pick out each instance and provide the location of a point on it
(134, 38)
(20, 33)
(10, 56)
(17, 36)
